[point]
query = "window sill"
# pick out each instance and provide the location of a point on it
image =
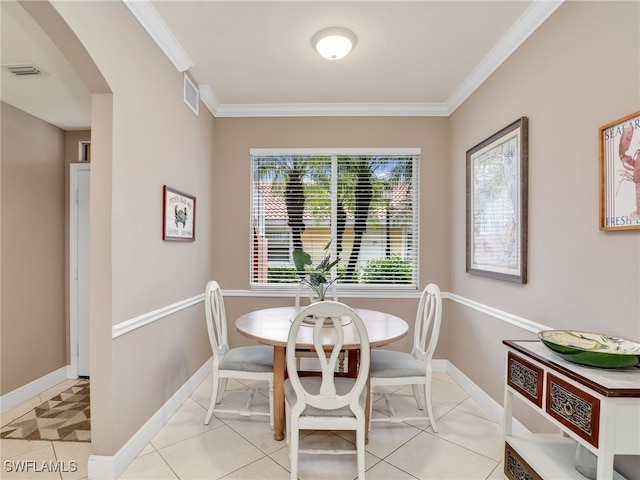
(367, 292)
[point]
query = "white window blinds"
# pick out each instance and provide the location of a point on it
(356, 206)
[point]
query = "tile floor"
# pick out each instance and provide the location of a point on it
(468, 446)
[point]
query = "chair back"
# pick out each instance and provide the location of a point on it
(428, 319)
(304, 290)
(216, 321)
(327, 397)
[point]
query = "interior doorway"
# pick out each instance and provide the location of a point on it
(79, 268)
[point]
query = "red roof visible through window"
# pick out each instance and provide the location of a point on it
(276, 208)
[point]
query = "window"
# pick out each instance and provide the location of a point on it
(359, 204)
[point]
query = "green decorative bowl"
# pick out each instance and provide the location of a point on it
(592, 349)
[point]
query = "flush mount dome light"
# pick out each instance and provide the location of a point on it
(334, 43)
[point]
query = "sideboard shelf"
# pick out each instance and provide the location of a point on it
(596, 408)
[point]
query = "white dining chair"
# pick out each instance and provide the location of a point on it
(328, 401)
(400, 368)
(304, 291)
(242, 363)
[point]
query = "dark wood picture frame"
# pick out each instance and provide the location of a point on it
(178, 215)
(497, 204)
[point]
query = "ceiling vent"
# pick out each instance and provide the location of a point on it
(191, 94)
(23, 69)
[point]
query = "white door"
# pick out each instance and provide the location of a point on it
(79, 268)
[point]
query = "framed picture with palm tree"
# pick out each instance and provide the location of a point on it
(497, 204)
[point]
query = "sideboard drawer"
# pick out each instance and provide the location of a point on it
(526, 378)
(515, 468)
(577, 410)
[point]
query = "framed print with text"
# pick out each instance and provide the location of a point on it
(178, 215)
(497, 170)
(620, 174)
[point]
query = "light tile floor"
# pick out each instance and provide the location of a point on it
(469, 444)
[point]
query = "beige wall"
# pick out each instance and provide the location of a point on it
(579, 71)
(569, 78)
(231, 186)
(35, 156)
(33, 246)
(143, 137)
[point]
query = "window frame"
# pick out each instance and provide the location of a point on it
(347, 289)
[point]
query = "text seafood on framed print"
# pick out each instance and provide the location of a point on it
(497, 191)
(620, 174)
(178, 215)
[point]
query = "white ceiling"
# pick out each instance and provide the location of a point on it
(56, 95)
(254, 58)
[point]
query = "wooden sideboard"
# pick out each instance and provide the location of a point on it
(597, 408)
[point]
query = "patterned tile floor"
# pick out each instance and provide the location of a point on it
(468, 445)
(64, 417)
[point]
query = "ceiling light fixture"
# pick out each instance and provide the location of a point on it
(334, 43)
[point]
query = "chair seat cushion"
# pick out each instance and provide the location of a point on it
(255, 358)
(391, 364)
(312, 385)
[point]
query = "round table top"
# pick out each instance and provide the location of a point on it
(271, 327)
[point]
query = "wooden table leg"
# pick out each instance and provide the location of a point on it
(279, 369)
(352, 363)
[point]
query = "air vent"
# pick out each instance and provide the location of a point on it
(191, 95)
(23, 69)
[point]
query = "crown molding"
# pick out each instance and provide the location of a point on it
(331, 110)
(209, 99)
(156, 28)
(529, 21)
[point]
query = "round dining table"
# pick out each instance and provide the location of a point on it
(270, 326)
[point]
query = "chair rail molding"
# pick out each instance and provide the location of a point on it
(149, 317)
(506, 317)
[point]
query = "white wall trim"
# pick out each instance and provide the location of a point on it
(406, 151)
(330, 110)
(509, 318)
(149, 317)
(32, 389)
(153, 23)
(103, 467)
(146, 318)
(208, 98)
(528, 23)
(488, 404)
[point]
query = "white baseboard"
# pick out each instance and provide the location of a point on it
(439, 365)
(488, 404)
(32, 389)
(102, 467)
